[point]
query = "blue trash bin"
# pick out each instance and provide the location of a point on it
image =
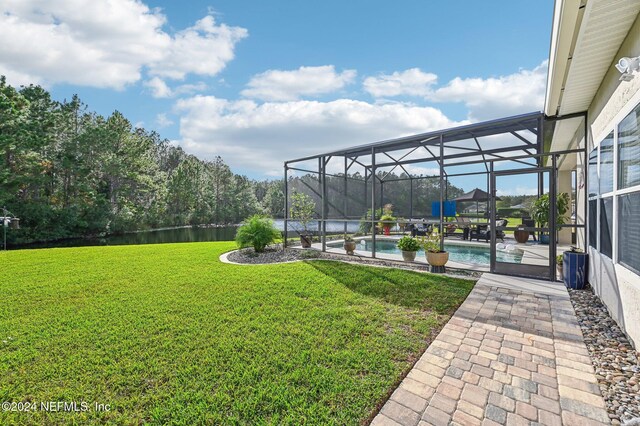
(574, 269)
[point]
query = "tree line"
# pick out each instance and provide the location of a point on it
(66, 171)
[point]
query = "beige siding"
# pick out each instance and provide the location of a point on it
(618, 287)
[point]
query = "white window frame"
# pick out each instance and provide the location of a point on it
(596, 198)
(616, 193)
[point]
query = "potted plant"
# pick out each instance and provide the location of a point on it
(302, 210)
(409, 247)
(541, 208)
(559, 259)
(349, 244)
(437, 258)
(386, 217)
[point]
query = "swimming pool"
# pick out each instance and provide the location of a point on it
(457, 252)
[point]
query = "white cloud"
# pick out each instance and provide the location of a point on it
(518, 190)
(485, 98)
(497, 97)
(163, 121)
(255, 136)
(411, 82)
(16, 78)
(278, 85)
(105, 43)
(159, 88)
(260, 137)
(419, 170)
(203, 49)
(188, 89)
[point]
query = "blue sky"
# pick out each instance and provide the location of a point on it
(261, 82)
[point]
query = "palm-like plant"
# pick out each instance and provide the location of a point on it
(541, 208)
(257, 232)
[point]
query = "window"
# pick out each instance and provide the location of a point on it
(629, 150)
(593, 173)
(606, 164)
(629, 231)
(606, 226)
(593, 223)
(614, 180)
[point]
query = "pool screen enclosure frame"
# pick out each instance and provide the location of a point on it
(475, 145)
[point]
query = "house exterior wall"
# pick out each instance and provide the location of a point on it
(617, 286)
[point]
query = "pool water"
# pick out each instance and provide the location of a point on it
(457, 252)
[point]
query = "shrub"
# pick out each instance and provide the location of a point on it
(408, 243)
(257, 232)
(309, 254)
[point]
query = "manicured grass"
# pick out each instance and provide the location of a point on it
(167, 334)
(513, 221)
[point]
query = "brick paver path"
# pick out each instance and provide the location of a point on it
(512, 354)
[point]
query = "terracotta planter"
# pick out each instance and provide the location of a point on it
(305, 240)
(349, 246)
(521, 236)
(409, 256)
(387, 229)
(437, 259)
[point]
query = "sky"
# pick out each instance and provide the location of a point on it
(260, 82)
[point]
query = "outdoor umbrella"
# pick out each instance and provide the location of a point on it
(476, 195)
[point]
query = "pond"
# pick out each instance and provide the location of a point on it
(173, 235)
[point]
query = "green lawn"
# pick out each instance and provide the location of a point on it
(168, 334)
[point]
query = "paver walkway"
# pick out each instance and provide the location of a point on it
(512, 354)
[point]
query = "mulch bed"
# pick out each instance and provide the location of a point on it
(276, 254)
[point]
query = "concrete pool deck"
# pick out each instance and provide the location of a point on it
(512, 354)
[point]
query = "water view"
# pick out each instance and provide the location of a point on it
(173, 235)
(176, 235)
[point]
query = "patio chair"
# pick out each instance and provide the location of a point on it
(484, 231)
(421, 229)
(530, 223)
(465, 224)
(450, 229)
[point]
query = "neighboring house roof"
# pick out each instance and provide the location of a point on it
(585, 39)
